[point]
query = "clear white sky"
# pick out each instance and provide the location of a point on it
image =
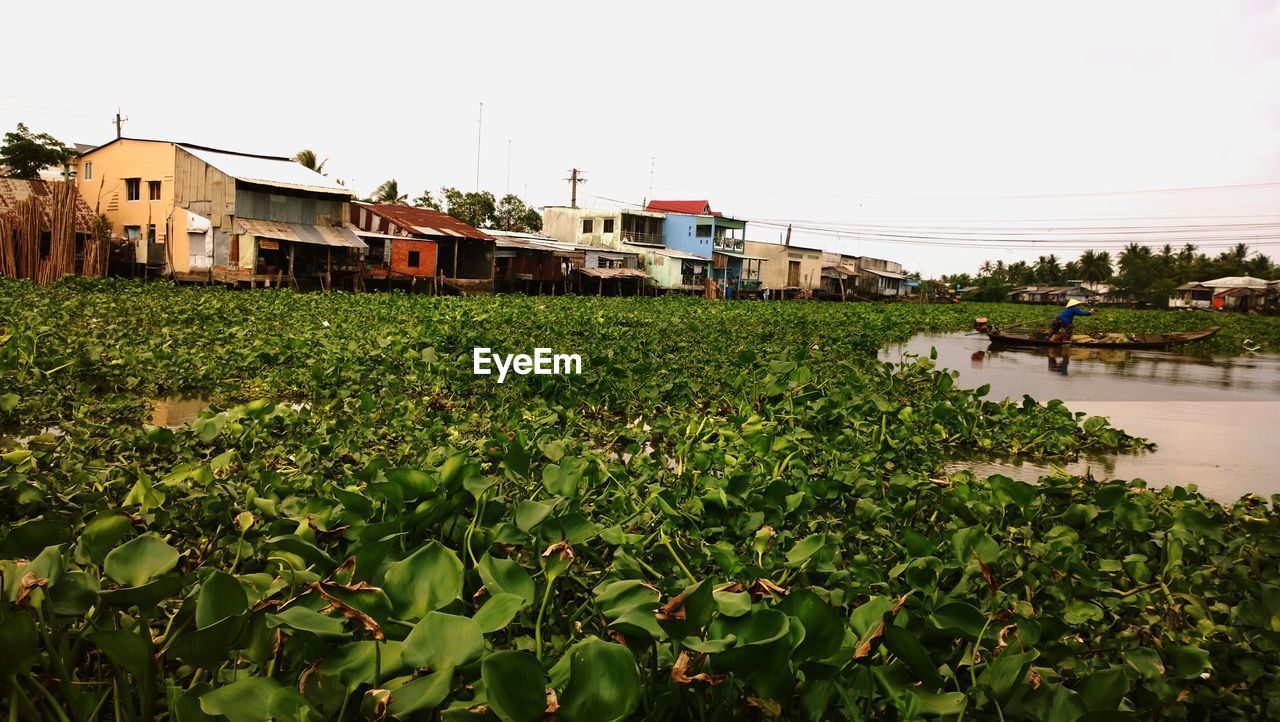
(834, 114)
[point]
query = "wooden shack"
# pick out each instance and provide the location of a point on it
(457, 257)
(525, 262)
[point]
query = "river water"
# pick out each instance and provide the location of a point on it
(1215, 420)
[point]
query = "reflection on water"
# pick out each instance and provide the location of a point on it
(1213, 420)
(176, 411)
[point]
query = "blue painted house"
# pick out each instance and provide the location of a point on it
(692, 227)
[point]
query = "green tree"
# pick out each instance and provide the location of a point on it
(512, 214)
(308, 159)
(426, 200)
(24, 153)
(389, 192)
(1095, 266)
(474, 209)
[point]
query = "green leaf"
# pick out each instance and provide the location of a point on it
(443, 641)
(426, 580)
(560, 480)
(506, 576)
(250, 699)
(145, 596)
(8, 402)
(102, 533)
(516, 460)
(1146, 661)
(974, 540)
(140, 560)
(211, 646)
(907, 648)
(308, 620)
(516, 686)
(358, 663)
(823, 626)
(604, 684)
(125, 649)
(1079, 611)
(805, 549)
(221, 596)
(413, 482)
(19, 640)
(1189, 661)
(530, 514)
(732, 604)
(451, 469)
(1104, 689)
(943, 704)
(498, 611)
(421, 694)
(961, 617)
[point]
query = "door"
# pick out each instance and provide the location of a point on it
(793, 273)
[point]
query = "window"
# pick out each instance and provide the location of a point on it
(608, 225)
(153, 190)
(132, 233)
(415, 258)
(88, 171)
(151, 233)
(704, 231)
(132, 189)
(587, 225)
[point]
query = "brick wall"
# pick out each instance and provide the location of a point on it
(426, 250)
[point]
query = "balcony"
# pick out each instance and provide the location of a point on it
(643, 239)
(728, 244)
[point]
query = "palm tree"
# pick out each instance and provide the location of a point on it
(389, 192)
(1047, 269)
(308, 159)
(985, 269)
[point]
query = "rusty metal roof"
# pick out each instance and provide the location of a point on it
(614, 272)
(427, 222)
(15, 190)
(334, 236)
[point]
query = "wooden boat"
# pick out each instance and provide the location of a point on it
(1028, 337)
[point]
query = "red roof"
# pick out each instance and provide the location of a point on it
(693, 208)
(427, 222)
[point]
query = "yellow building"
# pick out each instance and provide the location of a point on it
(201, 213)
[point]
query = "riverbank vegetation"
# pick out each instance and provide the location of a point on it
(733, 512)
(1138, 273)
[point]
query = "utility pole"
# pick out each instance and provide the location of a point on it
(119, 122)
(788, 241)
(575, 177)
(479, 130)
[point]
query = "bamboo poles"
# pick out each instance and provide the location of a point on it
(38, 241)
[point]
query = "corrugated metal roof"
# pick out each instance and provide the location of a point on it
(524, 244)
(668, 252)
(427, 222)
(840, 268)
(1237, 282)
(614, 272)
(333, 236)
(266, 170)
(891, 274)
(16, 190)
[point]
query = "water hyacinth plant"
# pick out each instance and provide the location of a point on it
(734, 512)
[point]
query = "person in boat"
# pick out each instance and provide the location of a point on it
(1062, 325)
